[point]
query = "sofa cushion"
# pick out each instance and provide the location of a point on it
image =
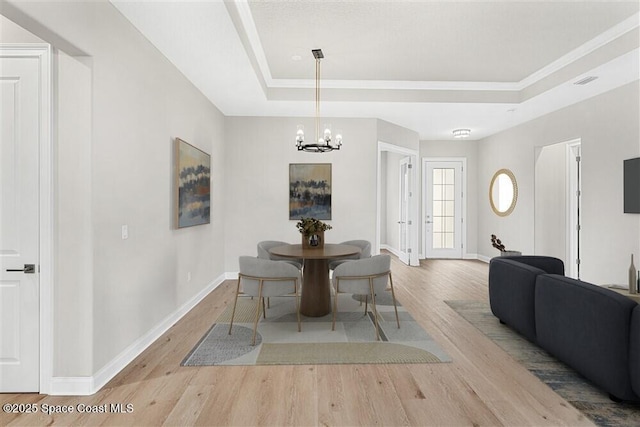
(587, 327)
(634, 351)
(511, 294)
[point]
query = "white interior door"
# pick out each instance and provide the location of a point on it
(19, 213)
(404, 222)
(443, 209)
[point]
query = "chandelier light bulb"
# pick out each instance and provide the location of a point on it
(327, 132)
(300, 135)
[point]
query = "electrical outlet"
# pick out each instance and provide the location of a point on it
(188, 276)
(125, 232)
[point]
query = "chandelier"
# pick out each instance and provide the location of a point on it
(323, 143)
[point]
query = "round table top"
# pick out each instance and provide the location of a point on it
(330, 250)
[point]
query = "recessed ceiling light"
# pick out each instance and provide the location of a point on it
(296, 58)
(461, 133)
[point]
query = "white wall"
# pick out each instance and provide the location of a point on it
(608, 128)
(258, 154)
(550, 228)
(74, 321)
(115, 163)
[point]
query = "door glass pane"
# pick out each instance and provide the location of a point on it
(437, 240)
(443, 189)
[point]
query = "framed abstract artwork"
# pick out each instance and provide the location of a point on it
(310, 190)
(193, 185)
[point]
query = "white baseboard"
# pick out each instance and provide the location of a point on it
(82, 386)
(72, 386)
(484, 258)
(390, 249)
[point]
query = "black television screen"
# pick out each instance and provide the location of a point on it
(632, 185)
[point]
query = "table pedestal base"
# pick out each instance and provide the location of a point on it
(316, 295)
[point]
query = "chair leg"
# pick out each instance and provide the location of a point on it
(264, 309)
(297, 306)
(393, 295)
(235, 302)
(373, 306)
(255, 322)
(366, 303)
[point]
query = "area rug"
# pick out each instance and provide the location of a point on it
(577, 390)
(279, 343)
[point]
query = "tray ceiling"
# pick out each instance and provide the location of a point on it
(430, 66)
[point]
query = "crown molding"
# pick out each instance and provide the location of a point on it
(251, 32)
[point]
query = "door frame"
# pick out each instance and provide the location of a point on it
(463, 230)
(413, 204)
(42, 52)
(573, 220)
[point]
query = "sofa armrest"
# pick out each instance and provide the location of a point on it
(550, 265)
(587, 327)
(511, 294)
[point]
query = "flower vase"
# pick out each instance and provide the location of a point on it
(510, 253)
(633, 280)
(313, 240)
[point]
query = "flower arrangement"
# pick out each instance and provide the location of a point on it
(496, 243)
(309, 226)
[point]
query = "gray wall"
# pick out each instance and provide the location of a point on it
(120, 106)
(258, 153)
(550, 228)
(608, 128)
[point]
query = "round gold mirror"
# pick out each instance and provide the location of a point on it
(503, 192)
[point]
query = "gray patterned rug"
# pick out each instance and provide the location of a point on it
(577, 390)
(278, 341)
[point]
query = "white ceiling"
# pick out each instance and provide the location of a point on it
(431, 66)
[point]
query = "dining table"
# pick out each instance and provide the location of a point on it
(316, 292)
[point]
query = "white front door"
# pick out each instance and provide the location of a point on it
(403, 222)
(19, 225)
(443, 209)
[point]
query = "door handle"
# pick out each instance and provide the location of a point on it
(428, 222)
(28, 269)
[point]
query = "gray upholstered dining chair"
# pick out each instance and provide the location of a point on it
(365, 252)
(263, 252)
(263, 278)
(368, 276)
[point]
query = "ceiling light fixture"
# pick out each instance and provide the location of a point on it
(324, 142)
(461, 133)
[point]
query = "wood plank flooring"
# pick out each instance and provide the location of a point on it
(482, 386)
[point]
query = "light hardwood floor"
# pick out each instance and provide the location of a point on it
(482, 386)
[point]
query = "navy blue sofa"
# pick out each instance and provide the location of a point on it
(594, 330)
